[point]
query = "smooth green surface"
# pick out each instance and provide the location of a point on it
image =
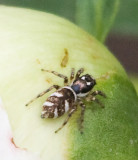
(31, 40)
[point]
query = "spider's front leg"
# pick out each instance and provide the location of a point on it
(98, 93)
(92, 97)
(80, 71)
(72, 75)
(58, 74)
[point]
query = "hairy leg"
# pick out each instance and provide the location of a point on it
(58, 74)
(72, 74)
(92, 97)
(98, 93)
(80, 71)
(67, 119)
(83, 107)
(42, 93)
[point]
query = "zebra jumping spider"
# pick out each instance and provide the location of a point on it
(67, 98)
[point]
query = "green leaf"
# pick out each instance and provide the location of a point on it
(96, 16)
(127, 18)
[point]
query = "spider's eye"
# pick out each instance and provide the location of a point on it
(88, 78)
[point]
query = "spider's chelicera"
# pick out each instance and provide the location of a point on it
(69, 97)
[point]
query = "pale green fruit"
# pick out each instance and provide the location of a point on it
(31, 40)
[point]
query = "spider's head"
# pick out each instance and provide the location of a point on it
(83, 85)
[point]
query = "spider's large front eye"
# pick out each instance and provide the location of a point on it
(88, 78)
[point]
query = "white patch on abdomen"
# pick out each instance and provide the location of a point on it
(66, 106)
(49, 104)
(57, 94)
(55, 113)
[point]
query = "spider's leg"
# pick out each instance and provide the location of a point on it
(98, 93)
(83, 107)
(80, 71)
(59, 75)
(72, 74)
(97, 101)
(92, 98)
(44, 92)
(67, 119)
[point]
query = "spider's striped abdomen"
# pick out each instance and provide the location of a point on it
(58, 103)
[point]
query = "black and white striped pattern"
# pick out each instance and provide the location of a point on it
(68, 98)
(59, 103)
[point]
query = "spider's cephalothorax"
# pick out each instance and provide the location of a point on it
(83, 85)
(67, 98)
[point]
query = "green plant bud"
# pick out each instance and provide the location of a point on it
(31, 40)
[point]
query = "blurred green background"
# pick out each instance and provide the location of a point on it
(98, 17)
(126, 21)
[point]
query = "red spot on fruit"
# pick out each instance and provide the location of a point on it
(13, 143)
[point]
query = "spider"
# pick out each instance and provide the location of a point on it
(66, 99)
